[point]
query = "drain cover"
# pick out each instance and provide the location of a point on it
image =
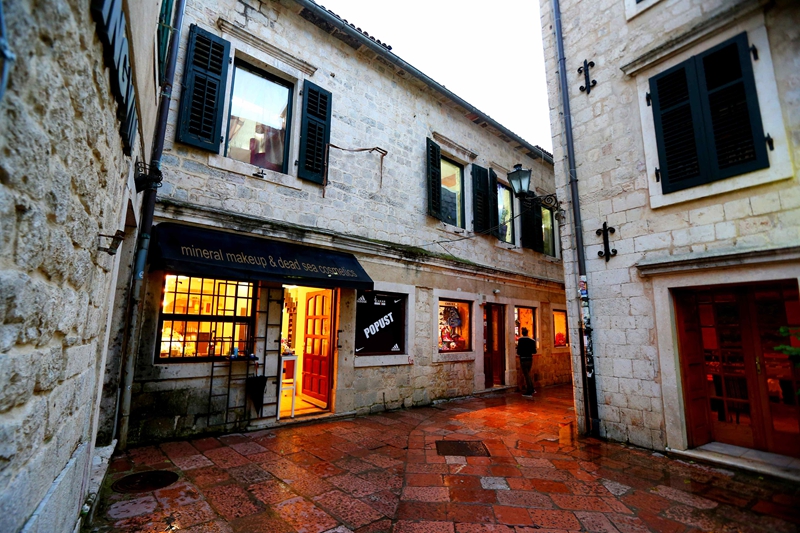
(145, 481)
(466, 448)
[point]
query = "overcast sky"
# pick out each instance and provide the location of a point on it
(488, 53)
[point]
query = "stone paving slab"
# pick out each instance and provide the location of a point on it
(381, 473)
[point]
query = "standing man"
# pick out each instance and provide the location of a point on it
(526, 347)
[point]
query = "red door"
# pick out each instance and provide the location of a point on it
(317, 350)
(494, 352)
(738, 388)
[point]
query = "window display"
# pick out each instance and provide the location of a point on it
(560, 329)
(524, 317)
(454, 326)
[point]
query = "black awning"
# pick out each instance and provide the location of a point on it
(204, 252)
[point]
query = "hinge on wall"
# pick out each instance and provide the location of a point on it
(230, 61)
(770, 142)
(754, 50)
(647, 99)
(658, 174)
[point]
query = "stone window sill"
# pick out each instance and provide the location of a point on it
(365, 361)
(245, 169)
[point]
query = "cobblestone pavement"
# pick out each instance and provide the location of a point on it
(383, 473)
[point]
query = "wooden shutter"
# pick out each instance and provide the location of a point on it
(204, 78)
(734, 133)
(494, 209)
(480, 199)
(531, 221)
(433, 162)
(679, 128)
(315, 132)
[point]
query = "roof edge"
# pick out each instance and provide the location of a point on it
(534, 151)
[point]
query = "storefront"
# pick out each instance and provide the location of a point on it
(243, 331)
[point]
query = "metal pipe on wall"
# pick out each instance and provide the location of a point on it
(585, 325)
(146, 223)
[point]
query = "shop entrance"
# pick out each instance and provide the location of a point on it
(494, 345)
(307, 357)
(738, 388)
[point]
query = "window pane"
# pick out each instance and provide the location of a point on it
(454, 330)
(452, 193)
(505, 210)
(548, 234)
(560, 328)
(524, 318)
(257, 125)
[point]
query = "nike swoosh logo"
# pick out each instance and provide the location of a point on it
(397, 300)
(359, 349)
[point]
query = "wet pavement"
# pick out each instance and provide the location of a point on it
(382, 473)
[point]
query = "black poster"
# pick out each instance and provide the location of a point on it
(380, 323)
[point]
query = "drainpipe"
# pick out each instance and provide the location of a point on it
(146, 223)
(585, 324)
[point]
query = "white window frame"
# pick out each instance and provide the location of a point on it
(780, 166)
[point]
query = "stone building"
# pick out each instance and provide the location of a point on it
(686, 140)
(66, 189)
(334, 235)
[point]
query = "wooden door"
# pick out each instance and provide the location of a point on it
(730, 366)
(494, 352)
(317, 353)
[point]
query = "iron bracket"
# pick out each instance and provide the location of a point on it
(116, 240)
(607, 251)
(585, 71)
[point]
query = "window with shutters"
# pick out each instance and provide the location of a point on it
(538, 227)
(505, 214)
(707, 119)
(445, 186)
(260, 114)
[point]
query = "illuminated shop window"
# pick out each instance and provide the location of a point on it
(524, 317)
(561, 334)
(454, 330)
(203, 317)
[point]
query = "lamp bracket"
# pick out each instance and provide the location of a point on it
(116, 240)
(147, 177)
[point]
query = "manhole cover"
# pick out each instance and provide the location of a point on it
(145, 481)
(466, 448)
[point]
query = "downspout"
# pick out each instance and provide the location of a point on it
(146, 223)
(585, 325)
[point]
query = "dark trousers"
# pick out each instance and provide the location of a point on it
(527, 364)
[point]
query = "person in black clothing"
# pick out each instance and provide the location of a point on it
(526, 347)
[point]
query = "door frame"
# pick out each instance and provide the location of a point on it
(334, 340)
(502, 343)
(686, 276)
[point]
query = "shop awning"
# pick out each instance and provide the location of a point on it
(203, 252)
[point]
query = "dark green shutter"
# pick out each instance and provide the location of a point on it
(163, 36)
(433, 161)
(480, 199)
(734, 133)
(679, 128)
(494, 208)
(204, 78)
(707, 119)
(315, 133)
(531, 222)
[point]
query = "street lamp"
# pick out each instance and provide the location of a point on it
(520, 180)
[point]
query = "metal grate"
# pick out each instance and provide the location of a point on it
(464, 448)
(145, 481)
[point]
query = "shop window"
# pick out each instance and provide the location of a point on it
(524, 317)
(560, 331)
(454, 326)
(380, 323)
(259, 117)
(203, 317)
(445, 187)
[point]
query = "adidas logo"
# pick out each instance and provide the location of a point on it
(361, 300)
(395, 348)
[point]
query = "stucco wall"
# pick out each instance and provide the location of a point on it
(616, 182)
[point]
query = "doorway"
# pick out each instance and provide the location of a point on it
(738, 388)
(307, 340)
(494, 345)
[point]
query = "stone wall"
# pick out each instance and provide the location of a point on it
(616, 183)
(62, 182)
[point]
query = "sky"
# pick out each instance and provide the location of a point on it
(488, 53)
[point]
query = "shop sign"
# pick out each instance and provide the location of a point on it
(112, 29)
(380, 323)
